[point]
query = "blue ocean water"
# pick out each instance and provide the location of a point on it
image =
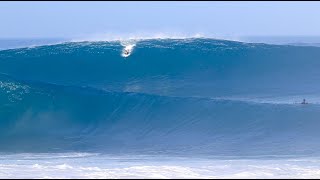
(196, 106)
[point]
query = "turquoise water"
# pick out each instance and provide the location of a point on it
(198, 99)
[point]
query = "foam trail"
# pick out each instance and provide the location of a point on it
(128, 47)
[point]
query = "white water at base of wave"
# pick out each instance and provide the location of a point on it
(84, 165)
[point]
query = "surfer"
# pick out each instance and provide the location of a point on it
(304, 101)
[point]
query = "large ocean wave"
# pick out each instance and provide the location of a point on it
(179, 96)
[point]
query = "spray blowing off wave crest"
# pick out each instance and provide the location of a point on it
(137, 37)
(29, 43)
(188, 96)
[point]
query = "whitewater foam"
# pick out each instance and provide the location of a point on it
(128, 48)
(106, 166)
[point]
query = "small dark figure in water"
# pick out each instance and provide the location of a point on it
(304, 101)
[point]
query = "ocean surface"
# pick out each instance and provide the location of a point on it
(159, 108)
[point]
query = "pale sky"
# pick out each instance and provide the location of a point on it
(85, 19)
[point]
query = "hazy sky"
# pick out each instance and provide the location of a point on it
(85, 19)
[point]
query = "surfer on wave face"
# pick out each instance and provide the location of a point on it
(304, 101)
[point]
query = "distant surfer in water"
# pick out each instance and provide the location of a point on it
(304, 101)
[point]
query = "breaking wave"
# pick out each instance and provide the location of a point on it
(178, 96)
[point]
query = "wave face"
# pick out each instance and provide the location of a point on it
(180, 96)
